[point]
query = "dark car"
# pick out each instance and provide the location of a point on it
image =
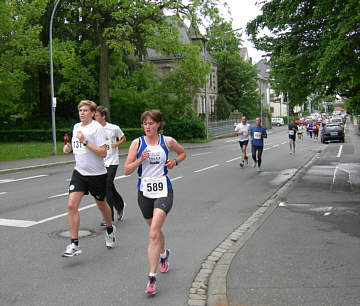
(332, 132)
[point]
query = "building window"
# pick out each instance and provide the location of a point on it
(202, 107)
(272, 109)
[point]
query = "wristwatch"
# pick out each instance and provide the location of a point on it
(85, 143)
(176, 162)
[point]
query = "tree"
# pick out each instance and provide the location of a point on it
(313, 46)
(236, 77)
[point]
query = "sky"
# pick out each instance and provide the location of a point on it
(243, 11)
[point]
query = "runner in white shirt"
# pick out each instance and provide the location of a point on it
(243, 130)
(113, 138)
(89, 175)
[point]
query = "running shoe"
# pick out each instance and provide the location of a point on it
(258, 169)
(110, 238)
(290, 153)
(120, 213)
(71, 250)
(242, 164)
(164, 262)
(254, 164)
(151, 285)
(246, 160)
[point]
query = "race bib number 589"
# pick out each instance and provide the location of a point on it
(154, 188)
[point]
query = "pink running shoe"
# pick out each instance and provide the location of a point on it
(151, 285)
(164, 262)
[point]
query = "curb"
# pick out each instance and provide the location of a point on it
(209, 284)
(54, 164)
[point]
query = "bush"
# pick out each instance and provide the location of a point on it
(46, 135)
(185, 128)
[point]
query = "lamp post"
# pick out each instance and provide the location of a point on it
(53, 99)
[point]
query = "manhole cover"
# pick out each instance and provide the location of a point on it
(82, 233)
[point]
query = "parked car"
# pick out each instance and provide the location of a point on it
(277, 121)
(332, 132)
(336, 120)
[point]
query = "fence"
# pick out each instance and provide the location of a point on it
(223, 127)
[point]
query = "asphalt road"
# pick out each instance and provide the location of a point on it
(212, 197)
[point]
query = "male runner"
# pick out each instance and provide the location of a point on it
(257, 134)
(242, 130)
(88, 145)
(292, 136)
(114, 138)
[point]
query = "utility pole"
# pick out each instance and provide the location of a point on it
(53, 99)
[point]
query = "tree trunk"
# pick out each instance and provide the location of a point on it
(104, 75)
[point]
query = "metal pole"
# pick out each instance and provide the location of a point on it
(52, 101)
(205, 91)
(261, 106)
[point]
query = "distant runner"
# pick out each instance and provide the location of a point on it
(243, 130)
(257, 133)
(292, 136)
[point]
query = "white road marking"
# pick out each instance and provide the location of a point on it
(16, 223)
(2, 193)
(63, 215)
(230, 160)
(176, 178)
(207, 168)
(267, 149)
(205, 153)
(335, 172)
(275, 146)
(232, 140)
(340, 151)
(121, 176)
(21, 179)
(58, 195)
(284, 142)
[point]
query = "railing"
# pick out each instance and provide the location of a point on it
(223, 127)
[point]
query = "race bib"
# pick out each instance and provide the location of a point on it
(257, 135)
(109, 149)
(77, 146)
(154, 187)
(291, 132)
(245, 133)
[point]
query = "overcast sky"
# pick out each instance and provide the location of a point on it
(243, 11)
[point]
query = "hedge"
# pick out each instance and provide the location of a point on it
(46, 135)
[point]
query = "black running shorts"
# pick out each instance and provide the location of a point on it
(243, 143)
(147, 205)
(95, 184)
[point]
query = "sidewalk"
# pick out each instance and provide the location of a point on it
(302, 247)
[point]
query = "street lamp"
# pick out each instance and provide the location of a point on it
(53, 99)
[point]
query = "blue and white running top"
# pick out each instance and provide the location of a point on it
(154, 165)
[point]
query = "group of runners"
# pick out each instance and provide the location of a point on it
(256, 136)
(95, 146)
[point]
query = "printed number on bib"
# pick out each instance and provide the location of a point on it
(154, 187)
(77, 146)
(257, 135)
(108, 147)
(291, 132)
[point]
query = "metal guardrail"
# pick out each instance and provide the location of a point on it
(222, 127)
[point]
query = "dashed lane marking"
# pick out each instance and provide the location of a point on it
(121, 177)
(58, 195)
(176, 178)
(21, 179)
(230, 160)
(199, 154)
(207, 168)
(2, 193)
(339, 152)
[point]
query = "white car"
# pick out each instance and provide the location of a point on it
(277, 121)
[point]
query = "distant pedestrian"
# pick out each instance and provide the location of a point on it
(243, 130)
(292, 136)
(149, 154)
(89, 175)
(257, 133)
(113, 138)
(310, 128)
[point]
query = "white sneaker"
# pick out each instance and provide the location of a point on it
(254, 164)
(110, 238)
(290, 153)
(120, 214)
(258, 169)
(71, 250)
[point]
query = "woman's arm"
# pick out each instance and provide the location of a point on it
(131, 161)
(176, 147)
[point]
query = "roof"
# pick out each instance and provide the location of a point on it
(186, 36)
(263, 69)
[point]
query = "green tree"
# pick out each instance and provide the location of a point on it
(313, 46)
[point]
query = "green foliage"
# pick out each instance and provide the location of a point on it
(184, 127)
(223, 108)
(313, 45)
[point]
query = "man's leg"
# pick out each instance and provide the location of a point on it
(73, 213)
(114, 199)
(259, 150)
(105, 211)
